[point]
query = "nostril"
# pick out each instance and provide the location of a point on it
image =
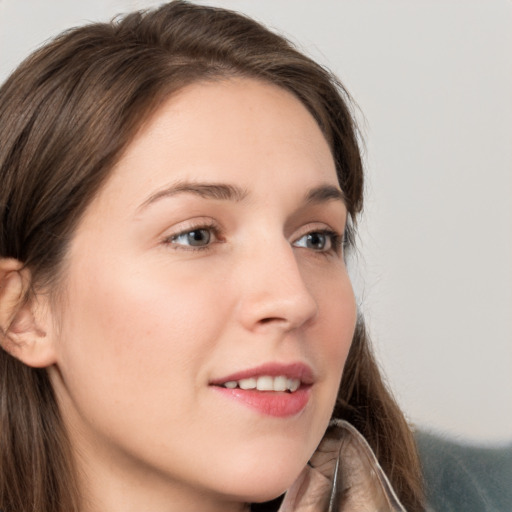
(270, 319)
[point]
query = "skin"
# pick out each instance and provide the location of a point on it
(148, 320)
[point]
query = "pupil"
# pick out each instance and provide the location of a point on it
(316, 240)
(199, 237)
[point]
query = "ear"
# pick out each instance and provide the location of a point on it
(25, 321)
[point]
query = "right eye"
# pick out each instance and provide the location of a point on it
(194, 236)
(199, 237)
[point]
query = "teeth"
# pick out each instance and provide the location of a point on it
(280, 383)
(292, 384)
(247, 383)
(265, 383)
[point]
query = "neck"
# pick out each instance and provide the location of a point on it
(108, 489)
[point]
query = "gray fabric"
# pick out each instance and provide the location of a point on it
(465, 478)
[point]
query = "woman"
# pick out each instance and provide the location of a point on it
(179, 190)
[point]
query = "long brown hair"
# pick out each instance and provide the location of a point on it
(66, 115)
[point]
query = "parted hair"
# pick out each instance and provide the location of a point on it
(67, 113)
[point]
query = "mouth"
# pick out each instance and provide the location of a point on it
(269, 377)
(272, 389)
(265, 383)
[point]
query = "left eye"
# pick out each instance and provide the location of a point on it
(200, 237)
(320, 241)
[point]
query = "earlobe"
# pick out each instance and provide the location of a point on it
(23, 317)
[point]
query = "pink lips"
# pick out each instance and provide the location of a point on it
(292, 371)
(271, 403)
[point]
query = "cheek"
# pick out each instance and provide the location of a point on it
(335, 328)
(136, 338)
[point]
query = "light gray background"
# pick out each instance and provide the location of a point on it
(433, 79)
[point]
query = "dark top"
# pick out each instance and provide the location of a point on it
(465, 478)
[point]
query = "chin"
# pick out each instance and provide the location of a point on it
(263, 479)
(264, 491)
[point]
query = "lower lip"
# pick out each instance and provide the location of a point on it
(271, 403)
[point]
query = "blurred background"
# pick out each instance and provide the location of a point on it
(432, 80)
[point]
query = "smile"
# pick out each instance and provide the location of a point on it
(265, 383)
(272, 389)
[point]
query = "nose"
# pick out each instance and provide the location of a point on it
(274, 294)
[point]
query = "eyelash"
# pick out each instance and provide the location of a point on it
(336, 245)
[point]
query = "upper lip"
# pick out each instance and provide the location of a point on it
(299, 371)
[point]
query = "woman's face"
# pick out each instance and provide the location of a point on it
(210, 262)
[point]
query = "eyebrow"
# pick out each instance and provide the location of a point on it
(324, 194)
(219, 191)
(228, 192)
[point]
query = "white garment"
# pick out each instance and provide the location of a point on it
(342, 476)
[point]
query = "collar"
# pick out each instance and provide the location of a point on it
(343, 475)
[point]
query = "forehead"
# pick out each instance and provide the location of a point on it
(239, 131)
